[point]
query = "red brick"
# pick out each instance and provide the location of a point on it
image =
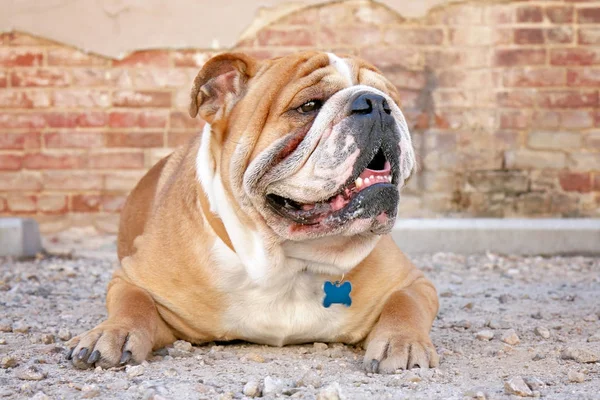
(20, 181)
(3, 79)
(498, 14)
(21, 204)
(597, 185)
(74, 139)
(117, 160)
(39, 78)
(191, 58)
(145, 58)
(358, 35)
(529, 36)
(560, 34)
(534, 77)
(19, 141)
(559, 14)
(3, 205)
(85, 119)
(515, 119)
(592, 141)
(516, 98)
(142, 119)
(21, 120)
(10, 162)
(410, 36)
(85, 202)
(92, 77)
(460, 14)
(576, 181)
(65, 56)
(53, 161)
(576, 119)
(587, 77)
(546, 119)
(72, 180)
(597, 118)
(301, 37)
(466, 58)
(113, 203)
(568, 99)
(589, 15)
(182, 120)
(23, 99)
(11, 57)
(514, 57)
(176, 139)
(141, 98)
(53, 204)
(530, 14)
(134, 139)
(80, 99)
(393, 56)
(589, 36)
(575, 56)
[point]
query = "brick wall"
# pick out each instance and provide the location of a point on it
(502, 98)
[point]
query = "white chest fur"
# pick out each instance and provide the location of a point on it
(285, 308)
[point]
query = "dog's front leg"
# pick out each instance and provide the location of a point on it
(400, 339)
(132, 330)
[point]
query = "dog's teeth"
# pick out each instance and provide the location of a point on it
(358, 183)
(367, 181)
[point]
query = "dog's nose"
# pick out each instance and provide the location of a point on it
(370, 103)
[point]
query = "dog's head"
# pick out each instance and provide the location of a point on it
(311, 144)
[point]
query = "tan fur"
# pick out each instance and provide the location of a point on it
(167, 286)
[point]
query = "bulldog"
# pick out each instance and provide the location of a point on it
(272, 226)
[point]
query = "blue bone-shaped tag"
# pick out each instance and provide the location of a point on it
(336, 293)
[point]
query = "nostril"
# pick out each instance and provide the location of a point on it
(386, 107)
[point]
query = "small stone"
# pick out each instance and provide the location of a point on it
(332, 391)
(183, 345)
(594, 338)
(538, 357)
(252, 389)
(497, 324)
(5, 325)
(310, 378)
(580, 354)
(225, 396)
(510, 337)
(8, 362)
(118, 384)
(90, 391)
(591, 318)
(31, 374)
(534, 383)
(464, 324)
(64, 334)
(48, 338)
(576, 377)
(410, 376)
(485, 335)
(254, 357)
(273, 386)
(320, 346)
(505, 298)
(20, 327)
(2, 341)
(517, 386)
(542, 332)
(40, 396)
(135, 370)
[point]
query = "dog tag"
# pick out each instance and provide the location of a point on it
(337, 293)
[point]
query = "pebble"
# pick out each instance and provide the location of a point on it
(273, 386)
(534, 383)
(48, 338)
(310, 378)
(180, 348)
(517, 386)
(252, 389)
(510, 337)
(2, 341)
(118, 384)
(332, 391)
(594, 338)
(591, 318)
(485, 335)
(8, 362)
(20, 327)
(255, 357)
(577, 377)
(5, 325)
(135, 370)
(31, 374)
(462, 324)
(580, 354)
(320, 346)
(497, 324)
(64, 334)
(40, 396)
(90, 391)
(542, 332)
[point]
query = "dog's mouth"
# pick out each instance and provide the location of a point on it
(376, 176)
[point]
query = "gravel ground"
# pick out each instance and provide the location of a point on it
(508, 326)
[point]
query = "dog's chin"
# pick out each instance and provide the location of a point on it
(368, 209)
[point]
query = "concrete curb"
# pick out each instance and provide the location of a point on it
(505, 236)
(19, 237)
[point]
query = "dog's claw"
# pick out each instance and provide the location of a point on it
(95, 356)
(82, 353)
(374, 367)
(69, 354)
(125, 357)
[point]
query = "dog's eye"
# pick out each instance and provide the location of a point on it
(310, 106)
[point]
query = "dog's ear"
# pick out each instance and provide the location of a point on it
(219, 84)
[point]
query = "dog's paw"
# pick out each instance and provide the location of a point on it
(108, 345)
(387, 353)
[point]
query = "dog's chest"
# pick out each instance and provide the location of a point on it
(286, 310)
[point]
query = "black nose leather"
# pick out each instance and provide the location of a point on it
(370, 103)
